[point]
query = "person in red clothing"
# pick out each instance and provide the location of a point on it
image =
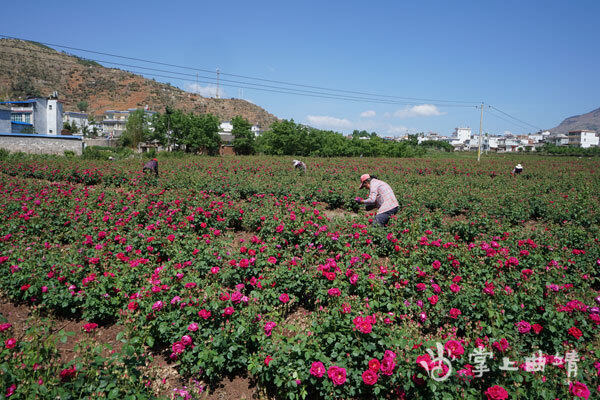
(151, 166)
(382, 196)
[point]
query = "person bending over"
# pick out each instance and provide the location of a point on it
(382, 196)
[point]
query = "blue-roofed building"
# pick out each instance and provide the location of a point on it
(5, 125)
(39, 115)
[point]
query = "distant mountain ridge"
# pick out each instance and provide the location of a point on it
(30, 68)
(589, 121)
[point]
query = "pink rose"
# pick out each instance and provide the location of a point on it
(454, 348)
(284, 298)
(186, 340)
(90, 327)
(579, 389)
(337, 375)
(10, 343)
(317, 369)
(387, 365)
(496, 393)
(193, 327)
(369, 377)
(523, 326)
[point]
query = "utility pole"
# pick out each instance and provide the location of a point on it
(480, 128)
(217, 83)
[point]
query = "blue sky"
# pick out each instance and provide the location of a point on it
(534, 60)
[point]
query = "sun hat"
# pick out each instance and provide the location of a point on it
(363, 179)
(519, 166)
(154, 159)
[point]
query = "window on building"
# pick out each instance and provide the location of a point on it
(49, 106)
(21, 117)
(50, 130)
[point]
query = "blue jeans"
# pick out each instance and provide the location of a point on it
(383, 218)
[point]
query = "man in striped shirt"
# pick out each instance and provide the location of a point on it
(380, 195)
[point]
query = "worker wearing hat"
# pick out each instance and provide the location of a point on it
(152, 166)
(380, 195)
(299, 165)
(518, 169)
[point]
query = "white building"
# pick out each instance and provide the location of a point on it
(225, 127)
(583, 138)
(460, 136)
(559, 139)
(80, 119)
(38, 115)
(115, 121)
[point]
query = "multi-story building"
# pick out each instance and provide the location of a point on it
(115, 121)
(460, 136)
(583, 138)
(38, 115)
(80, 119)
(559, 139)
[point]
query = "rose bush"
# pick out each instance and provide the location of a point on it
(235, 265)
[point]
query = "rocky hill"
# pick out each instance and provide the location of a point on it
(589, 120)
(32, 69)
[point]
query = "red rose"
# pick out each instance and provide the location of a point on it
(369, 377)
(496, 393)
(374, 365)
(575, 332)
(537, 328)
(10, 343)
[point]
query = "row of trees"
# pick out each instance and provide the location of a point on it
(289, 138)
(199, 133)
(552, 149)
(187, 132)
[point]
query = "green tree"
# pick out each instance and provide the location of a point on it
(244, 137)
(202, 133)
(286, 138)
(82, 106)
(136, 129)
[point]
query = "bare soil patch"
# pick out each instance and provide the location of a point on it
(236, 388)
(339, 213)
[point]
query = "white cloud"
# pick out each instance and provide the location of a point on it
(324, 121)
(422, 110)
(367, 114)
(205, 91)
(396, 130)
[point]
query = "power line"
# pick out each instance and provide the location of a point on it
(514, 123)
(517, 119)
(255, 86)
(373, 97)
(244, 76)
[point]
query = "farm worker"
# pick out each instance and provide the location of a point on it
(382, 196)
(151, 165)
(518, 169)
(299, 165)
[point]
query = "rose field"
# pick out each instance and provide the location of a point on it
(482, 286)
